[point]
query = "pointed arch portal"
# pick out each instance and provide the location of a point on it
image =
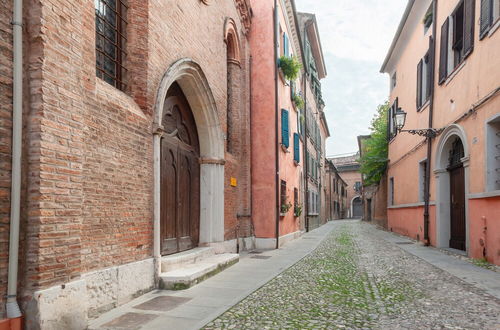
(190, 79)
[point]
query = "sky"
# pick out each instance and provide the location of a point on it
(355, 36)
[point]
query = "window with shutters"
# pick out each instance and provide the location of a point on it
(493, 154)
(312, 203)
(285, 137)
(423, 81)
(296, 148)
(490, 15)
(393, 80)
(391, 191)
(457, 38)
(391, 125)
(283, 197)
(110, 41)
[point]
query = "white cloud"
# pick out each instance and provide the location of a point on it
(355, 35)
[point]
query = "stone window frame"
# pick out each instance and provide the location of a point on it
(119, 76)
(492, 154)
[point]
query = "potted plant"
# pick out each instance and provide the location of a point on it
(290, 67)
(297, 210)
(298, 101)
(285, 207)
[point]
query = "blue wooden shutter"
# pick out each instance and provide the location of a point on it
(284, 128)
(296, 147)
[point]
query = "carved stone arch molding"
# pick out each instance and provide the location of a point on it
(232, 40)
(442, 175)
(193, 82)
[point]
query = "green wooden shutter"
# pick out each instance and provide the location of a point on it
(443, 55)
(296, 147)
(285, 140)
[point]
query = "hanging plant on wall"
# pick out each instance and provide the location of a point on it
(297, 210)
(299, 101)
(290, 67)
(285, 207)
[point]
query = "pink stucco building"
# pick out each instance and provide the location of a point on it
(444, 66)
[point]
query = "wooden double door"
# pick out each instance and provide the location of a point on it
(180, 176)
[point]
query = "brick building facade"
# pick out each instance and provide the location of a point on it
(91, 197)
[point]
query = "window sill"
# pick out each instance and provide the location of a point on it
(424, 106)
(454, 72)
(296, 163)
(494, 28)
(282, 215)
(285, 149)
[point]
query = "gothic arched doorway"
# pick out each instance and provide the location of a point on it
(180, 175)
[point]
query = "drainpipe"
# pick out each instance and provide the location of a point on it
(12, 306)
(429, 139)
(276, 100)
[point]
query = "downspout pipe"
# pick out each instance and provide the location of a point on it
(429, 139)
(12, 307)
(276, 124)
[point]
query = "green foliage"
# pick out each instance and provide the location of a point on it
(375, 149)
(290, 67)
(299, 101)
(297, 210)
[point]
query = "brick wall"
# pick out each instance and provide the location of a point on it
(89, 180)
(5, 142)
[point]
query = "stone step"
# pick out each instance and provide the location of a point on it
(185, 258)
(190, 274)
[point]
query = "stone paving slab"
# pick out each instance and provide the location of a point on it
(482, 278)
(217, 294)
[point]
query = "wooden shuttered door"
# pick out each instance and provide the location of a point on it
(419, 84)
(285, 140)
(486, 10)
(469, 16)
(443, 53)
(296, 147)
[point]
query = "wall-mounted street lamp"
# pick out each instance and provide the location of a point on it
(400, 121)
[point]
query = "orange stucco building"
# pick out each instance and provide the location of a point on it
(444, 65)
(282, 171)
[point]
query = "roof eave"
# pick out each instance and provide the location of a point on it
(402, 24)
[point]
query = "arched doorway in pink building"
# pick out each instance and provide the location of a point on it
(452, 178)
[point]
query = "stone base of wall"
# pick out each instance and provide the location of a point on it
(270, 243)
(71, 305)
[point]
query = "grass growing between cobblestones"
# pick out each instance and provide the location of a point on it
(328, 289)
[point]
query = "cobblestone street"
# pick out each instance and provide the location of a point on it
(355, 279)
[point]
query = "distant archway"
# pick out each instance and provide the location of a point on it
(356, 207)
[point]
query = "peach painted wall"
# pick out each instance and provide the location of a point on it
(263, 127)
(474, 79)
(408, 221)
(485, 213)
(263, 120)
